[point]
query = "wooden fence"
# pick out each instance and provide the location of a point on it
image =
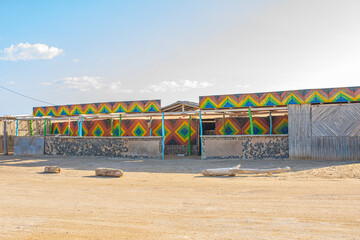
(326, 132)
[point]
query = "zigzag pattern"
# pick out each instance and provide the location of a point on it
(60, 128)
(232, 126)
(241, 126)
(326, 95)
(176, 129)
(260, 126)
(95, 108)
(280, 125)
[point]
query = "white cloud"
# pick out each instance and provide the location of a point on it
(172, 86)
(76, 60)
(83, 84)
(27, 51)
(47, 83)
(11, 83)
(87, 83)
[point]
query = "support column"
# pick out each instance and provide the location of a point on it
(45, 121)
(224, 133)
(201, 133)
(17, 127)
(50, 127)
(150, 126)
(5, 139)
(112, 127)
(189, 134)
(119, 125)
(270, 123)
(81, 123)
(251, 122)
(163, 133)
(31, 128)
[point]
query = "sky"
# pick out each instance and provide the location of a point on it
(68, 52)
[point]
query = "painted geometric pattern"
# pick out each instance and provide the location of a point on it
(176, 130)
(336, 120)
(280, 125)
(327, 95)
(96, 108)
(102, 128)
(261, 125)
(60, 128)
(232, 126)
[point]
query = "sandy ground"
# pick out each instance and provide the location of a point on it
(169, 199)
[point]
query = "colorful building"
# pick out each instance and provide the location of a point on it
(281, 124)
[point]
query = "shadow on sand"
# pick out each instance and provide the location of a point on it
(169, 165)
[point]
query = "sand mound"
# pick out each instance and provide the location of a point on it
(345, 171)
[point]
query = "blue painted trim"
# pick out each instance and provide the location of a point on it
(17, 126)
(201, 133)
(81, 123)
(150, 126)
(163, 133)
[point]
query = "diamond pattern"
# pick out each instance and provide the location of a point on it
(341, 120)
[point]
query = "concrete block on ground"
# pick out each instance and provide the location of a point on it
(109, 172)
(52, 169)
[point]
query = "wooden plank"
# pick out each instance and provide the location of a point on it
(336, 148)
(299, 131)
(5, 148)
(336, 120)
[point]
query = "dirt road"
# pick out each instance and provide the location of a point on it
(157, 200)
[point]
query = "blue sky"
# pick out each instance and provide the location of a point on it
(67, 52)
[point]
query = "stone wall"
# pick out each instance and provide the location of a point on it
(245, 146)
(181, 149)
(128, 147)
(29, 146)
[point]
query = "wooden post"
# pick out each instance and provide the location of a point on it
(119, 126)
(150, 126)
(17, 127)
(189, 135)
(31, 128)
(251, 122)
(50, 127)
(224, 133)
(69, 127)
(81, 123)
(45, 127)
(5, 139)
(112, 127)
(270, 123)
(163, 135)
(201, 133)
